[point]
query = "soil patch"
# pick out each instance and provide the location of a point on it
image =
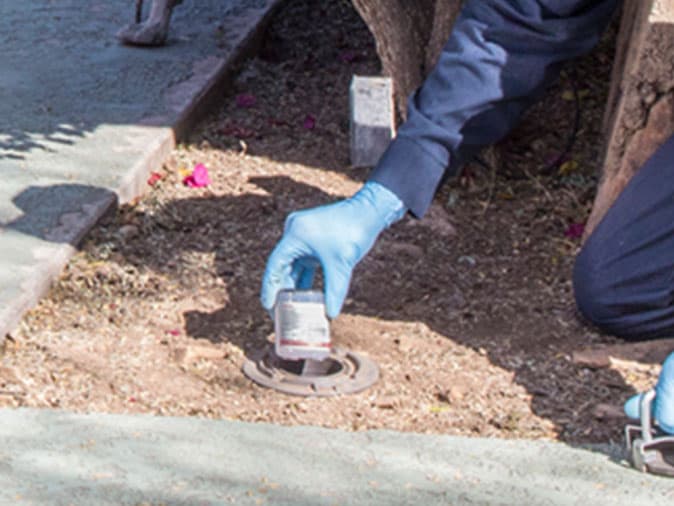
(469, 312)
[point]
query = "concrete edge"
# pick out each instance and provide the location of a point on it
(134, 181)
(41, 278)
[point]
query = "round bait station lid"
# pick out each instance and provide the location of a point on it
(343, 372)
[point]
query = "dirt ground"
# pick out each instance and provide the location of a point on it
(469, 312)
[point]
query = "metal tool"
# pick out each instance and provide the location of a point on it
(651, 450)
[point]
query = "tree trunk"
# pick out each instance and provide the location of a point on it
(409, 36)
(639, 114)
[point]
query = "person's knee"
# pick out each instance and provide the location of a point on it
(594, 296)
(616, 302)
(605, 305)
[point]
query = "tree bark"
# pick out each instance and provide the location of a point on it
(409, 37)
(639, 114)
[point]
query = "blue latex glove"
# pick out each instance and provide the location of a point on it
(663, 405)
(335, 237)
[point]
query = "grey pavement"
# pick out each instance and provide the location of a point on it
(83, 120)
(57, 458)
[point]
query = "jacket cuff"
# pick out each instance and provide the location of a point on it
(410, 172)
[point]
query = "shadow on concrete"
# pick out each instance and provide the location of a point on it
(15, 144)
(60, 213)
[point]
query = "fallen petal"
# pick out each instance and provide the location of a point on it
(568, 167)
(245, 100)
(154, 177)
(575, 230)
(199, 177)
(348, 56)
(568, 95)
(309, 122)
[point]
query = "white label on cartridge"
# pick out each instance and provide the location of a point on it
(303, 324)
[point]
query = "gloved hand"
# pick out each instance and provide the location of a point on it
(335, 237)
(663, 405)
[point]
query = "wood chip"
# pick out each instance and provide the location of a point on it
(7, 375)
(192, 353)
(453, 395)
(608, 412)
(386, 402)
(646, 351)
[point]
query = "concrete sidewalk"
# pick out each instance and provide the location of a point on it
(83, 120)
(56, 458)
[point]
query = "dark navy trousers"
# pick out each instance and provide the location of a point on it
(624, 275)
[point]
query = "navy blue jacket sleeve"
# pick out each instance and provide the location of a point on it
(500, 56)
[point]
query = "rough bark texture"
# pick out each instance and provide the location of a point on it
(409, 37)
(640, 110)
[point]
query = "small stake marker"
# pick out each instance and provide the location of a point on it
(372, 119)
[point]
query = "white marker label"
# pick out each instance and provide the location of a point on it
(303, 324)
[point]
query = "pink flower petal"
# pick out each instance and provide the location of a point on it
(199, 177)
(348, 56)
(309, 122)
(245, 100)
(154, 177)
(575, 231)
